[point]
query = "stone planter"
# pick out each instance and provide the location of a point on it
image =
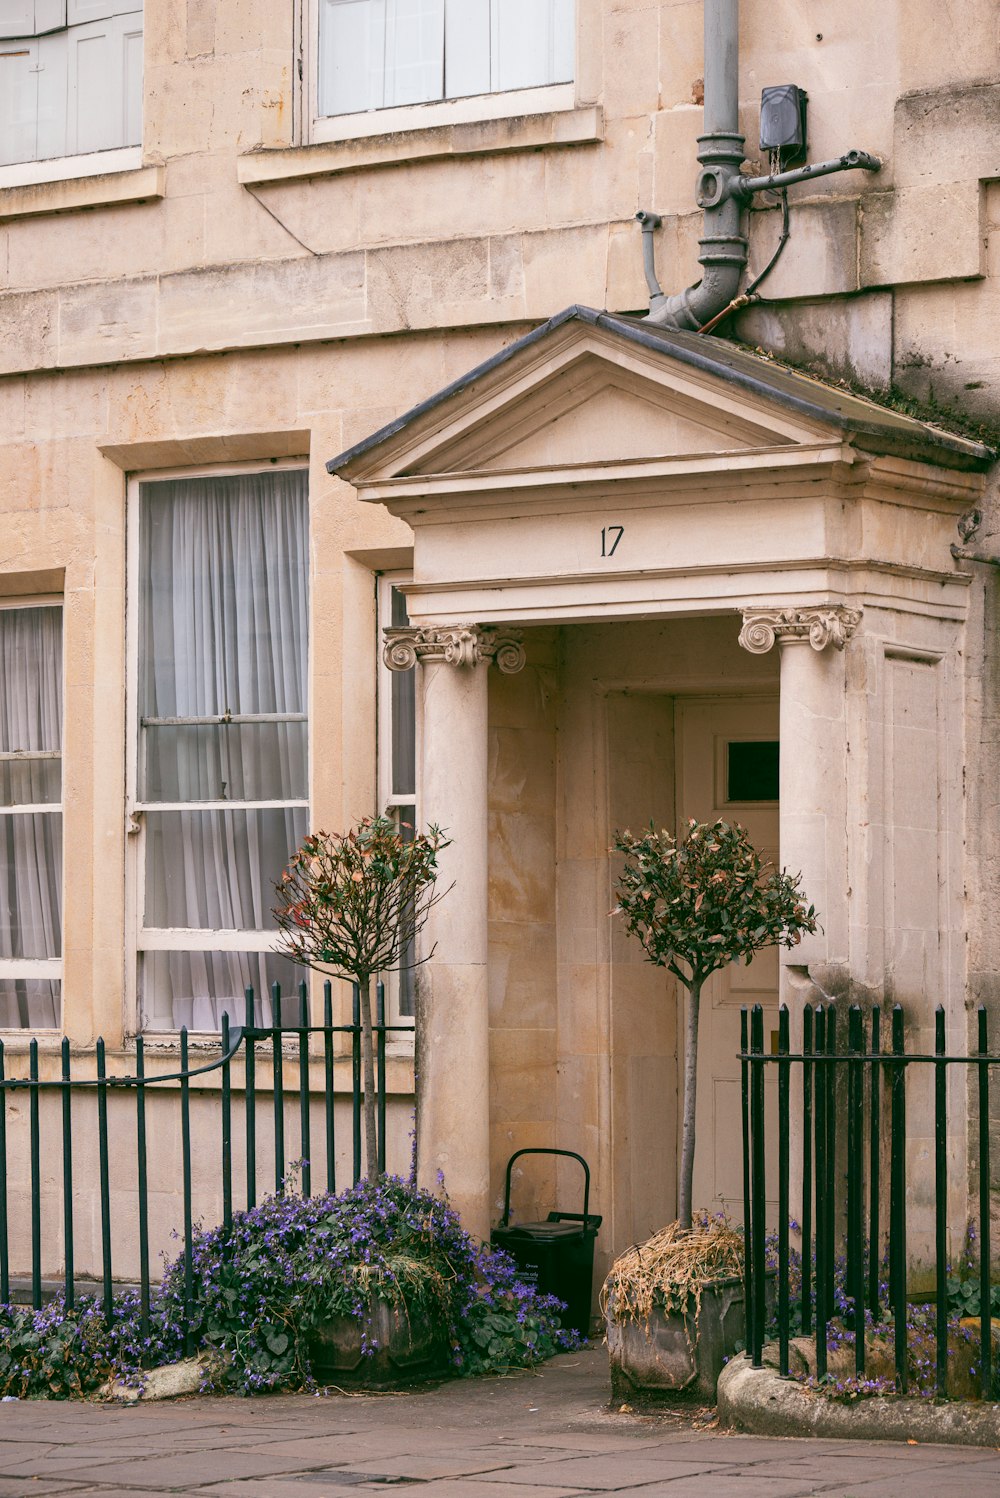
(677, 1355)
(410, 1348)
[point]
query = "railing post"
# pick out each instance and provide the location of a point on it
(941, 1200)
(874, 1162)
(856, 1182)
(227, 1128)
(749, 1283)
(278, 1077)
(757, 1176)
(356, 1077)
(36, 1187)
(250, 1097)
(783, 1132)
(102, 1149)
(186, 1181)
(830, 1210)
(331, 1143)
(140, 1155)
(380, 1071)
(807, 1181)
(897, 1201)
(822, 1309)
(985, 1285)
(67, 1165)
(304, 1090)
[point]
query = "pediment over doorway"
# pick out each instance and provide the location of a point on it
(599, 467)
(592, 388)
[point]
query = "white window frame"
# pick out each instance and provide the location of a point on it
(62, 168)
(84, 164)
(139, 938)
(390, 802)
(546, 99)
(41, 967)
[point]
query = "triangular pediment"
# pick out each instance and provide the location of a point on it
(589, 388)
(595, 409)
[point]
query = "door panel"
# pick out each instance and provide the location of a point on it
(715, 782)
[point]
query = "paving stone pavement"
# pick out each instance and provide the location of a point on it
(548, 1434)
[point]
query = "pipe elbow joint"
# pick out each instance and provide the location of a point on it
(862, 161)
(691, 309)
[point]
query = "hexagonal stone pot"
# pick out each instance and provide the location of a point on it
(409, 1349)
(677, 1355)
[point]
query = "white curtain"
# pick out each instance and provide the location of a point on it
(31, 847)
(224, 611)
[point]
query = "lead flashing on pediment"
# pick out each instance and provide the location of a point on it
(873, 428)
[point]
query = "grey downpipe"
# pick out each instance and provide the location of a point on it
(724, 245)
(650, 223)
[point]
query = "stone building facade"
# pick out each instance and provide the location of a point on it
(634, 561)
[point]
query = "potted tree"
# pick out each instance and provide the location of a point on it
(350, 906)
(696, 903)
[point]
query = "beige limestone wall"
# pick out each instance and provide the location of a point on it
(251, 236)
(255, 297)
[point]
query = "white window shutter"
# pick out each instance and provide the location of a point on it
(414, 51)
(80, 12)
(53, 57)
(132, 66)
(18, 104)
(101, 84)
(351, 56)
(532, 43)
(50, 15)
(563, 41)
(17, 19)
(467, 48)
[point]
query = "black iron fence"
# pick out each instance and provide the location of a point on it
(315, 1162)
(851, 1142)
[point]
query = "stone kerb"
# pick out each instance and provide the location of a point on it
(759, 1401)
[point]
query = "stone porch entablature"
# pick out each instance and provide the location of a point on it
(599, 469)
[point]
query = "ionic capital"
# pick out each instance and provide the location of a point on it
(816, 627)
(456, 645)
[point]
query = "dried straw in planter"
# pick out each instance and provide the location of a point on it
(668, 1271)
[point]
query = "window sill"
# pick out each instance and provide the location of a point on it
(526, 132)
(104, 190)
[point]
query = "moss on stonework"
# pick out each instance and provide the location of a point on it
(947, 418)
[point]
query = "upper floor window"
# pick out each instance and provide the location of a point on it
(70, 78)
(31, 715)
(383, 54)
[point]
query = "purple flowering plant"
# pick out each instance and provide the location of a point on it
(879, 1325)
(262, 1286)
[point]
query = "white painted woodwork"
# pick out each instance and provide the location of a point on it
(22, 18)
(383, 54)
(74, 90)
(704, 731)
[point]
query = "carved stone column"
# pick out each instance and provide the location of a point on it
(814, 767)
(453, 1055)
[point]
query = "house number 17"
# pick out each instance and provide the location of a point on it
(610, 536)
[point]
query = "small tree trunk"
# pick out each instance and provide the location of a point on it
(368, 1065)
(690, 1099)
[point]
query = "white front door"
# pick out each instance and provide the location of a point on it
(727, 768)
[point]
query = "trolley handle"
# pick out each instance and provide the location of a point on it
(570, 1154)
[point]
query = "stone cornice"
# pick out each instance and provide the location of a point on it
(455, 645)
(817, 627)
